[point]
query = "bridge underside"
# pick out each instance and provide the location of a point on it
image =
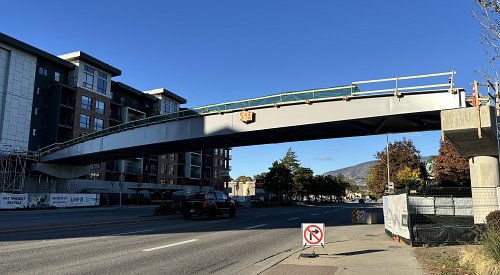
(321, 120)
(367, 126)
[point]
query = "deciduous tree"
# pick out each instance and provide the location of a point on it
(449, 168)
(401, 154)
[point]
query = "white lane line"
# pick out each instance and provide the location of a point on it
(169, 245)
(133, 232)
(285, 212)
(217, 221)
(314, 214)
(326, 212)
(260, 216)
(260, 225)
(291, 219)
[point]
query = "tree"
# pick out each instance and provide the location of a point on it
(401, 154)
(302, 180)
(243, 179)
(449, 168)
(409, 176)
(290, 160)
(278, 180)
(488, 18)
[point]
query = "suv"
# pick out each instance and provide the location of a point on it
(211, 203)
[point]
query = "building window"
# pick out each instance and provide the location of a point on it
(98, 124)
(84, 121)
(99, 107)
(57, 76)
(86, 103)
(34, 132)
(170, 169)
(88, 81)
(42, 71)
(171, 157)
(88, 69)
(166, 106)
(102, 82)
(171, 181)
(162, 168)
(163, 181)
(174, 107)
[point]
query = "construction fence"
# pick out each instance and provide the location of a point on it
(440, 215)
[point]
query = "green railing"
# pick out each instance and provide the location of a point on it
(298, 97)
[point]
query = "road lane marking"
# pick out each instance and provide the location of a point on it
(169, 245)
(260, 216)
(256, 226)
(314, 214)
(326, 212)
(133, 232)
(217, 221)
(291, 219)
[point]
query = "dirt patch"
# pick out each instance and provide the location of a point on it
(440, 260)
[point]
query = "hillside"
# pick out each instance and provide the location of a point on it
(358, 173)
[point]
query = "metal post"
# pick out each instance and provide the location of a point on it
(121, 167)
(388, 170)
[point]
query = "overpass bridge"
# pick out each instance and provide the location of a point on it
(391, 105)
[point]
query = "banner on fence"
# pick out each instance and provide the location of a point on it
(396, 215)
(13, 201)
(73, 200)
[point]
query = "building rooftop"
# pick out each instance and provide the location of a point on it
(10, 41)
(79, 55)
(132, 90)
(167, 93)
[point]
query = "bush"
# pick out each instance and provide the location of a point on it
(493, 220)
(491, 243)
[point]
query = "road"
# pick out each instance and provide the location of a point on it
(132, 241)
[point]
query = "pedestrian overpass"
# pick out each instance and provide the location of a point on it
(391, 105)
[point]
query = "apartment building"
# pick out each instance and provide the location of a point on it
(47, 99)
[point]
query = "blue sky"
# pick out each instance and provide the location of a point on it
(217, 51)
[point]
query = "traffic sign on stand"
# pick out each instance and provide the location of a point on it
(361, 215)
(313, 234)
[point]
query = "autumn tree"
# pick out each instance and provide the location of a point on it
(449, 168)
(243, 179)
(402, 155)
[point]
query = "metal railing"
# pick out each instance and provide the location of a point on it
(289, 98)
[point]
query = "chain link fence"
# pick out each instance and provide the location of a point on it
(450, 215)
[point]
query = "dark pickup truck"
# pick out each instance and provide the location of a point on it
(211, 203)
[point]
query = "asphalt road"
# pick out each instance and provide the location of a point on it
(132, 241)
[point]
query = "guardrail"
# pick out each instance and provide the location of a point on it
(289, 98)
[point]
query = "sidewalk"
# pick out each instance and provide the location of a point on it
(352, 249)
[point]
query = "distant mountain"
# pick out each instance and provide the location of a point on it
(358, 173)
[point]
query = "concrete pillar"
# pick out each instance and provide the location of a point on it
(485, 180)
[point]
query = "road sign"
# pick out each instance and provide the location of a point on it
(361, 215)
(313, 234)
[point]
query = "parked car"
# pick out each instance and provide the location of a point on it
(256, 201)
(211, 203)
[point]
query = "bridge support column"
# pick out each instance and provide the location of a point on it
(472, 131)
(485, 180)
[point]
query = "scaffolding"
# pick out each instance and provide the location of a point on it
(12, 168)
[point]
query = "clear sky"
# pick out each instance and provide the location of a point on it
(217, 51)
